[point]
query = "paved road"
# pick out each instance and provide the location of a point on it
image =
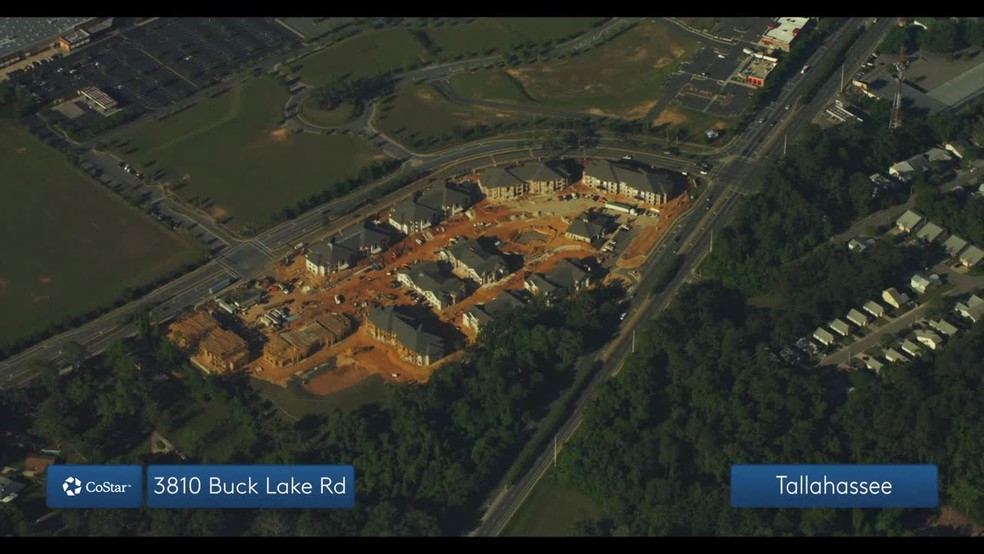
(728, 182)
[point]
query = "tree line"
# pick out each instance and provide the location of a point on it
(424, 457)
(656, 446)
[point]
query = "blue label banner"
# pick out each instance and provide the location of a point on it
(94, 486)
(250, 486)
(834, 486)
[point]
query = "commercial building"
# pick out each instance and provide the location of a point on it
(98, 98)
(758, 69)
(783, 32)
(479, 261)
(633, 180)
(84, 34)
(23, 37)
(437, 288)
(394, 326)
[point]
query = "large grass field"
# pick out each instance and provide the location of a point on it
(495, 85)
(69, 245)
(369, 53)
(623, 77)
(488, 34)
(550, 511)
(379, 51)
(415, 115)
(229, 154)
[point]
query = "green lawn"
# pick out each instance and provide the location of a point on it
(68, 244)
(206, 433)
(298, 403)
(369, 53)
(490, 85)
(420, 115)
(488, 34)
(549, 511)
(623, 77)
(229, 155)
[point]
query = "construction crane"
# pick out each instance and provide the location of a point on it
(896, 120)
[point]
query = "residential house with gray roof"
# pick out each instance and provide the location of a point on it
(397, 327)
(477, 260)
(439, 289)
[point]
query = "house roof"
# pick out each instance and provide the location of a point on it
(954, 245)
(959, 146)
(920, 280)
(364, 236)
(550, 170)
(476, 255)
(894, 355)
(410, 211)
(944, 327)
(909, 220)
(498, 177)
(543, 286)
(566, 274)
(328, 253)
(857, 317)
(911, 347)
(922, 335)
(874, 308)
(591, 224)
(633, 176)
(873, 363)
(938, 155)
(505, 299)
(972, 256)
(408, 330)
(930, 231)
(446, 196)
(840, 326)
(824, 335)
(429, 277)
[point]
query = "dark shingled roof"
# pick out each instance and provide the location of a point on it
(591, 224)
(428, 276)
(635, 176)
(550, 170)
(409, 331)
(475, 255)
(565, 274)
(431, 203)
(345, 246)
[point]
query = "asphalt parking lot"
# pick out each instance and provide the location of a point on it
(150, 67)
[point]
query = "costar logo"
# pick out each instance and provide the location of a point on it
(72, 486)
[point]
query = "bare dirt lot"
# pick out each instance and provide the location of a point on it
(531, 227)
